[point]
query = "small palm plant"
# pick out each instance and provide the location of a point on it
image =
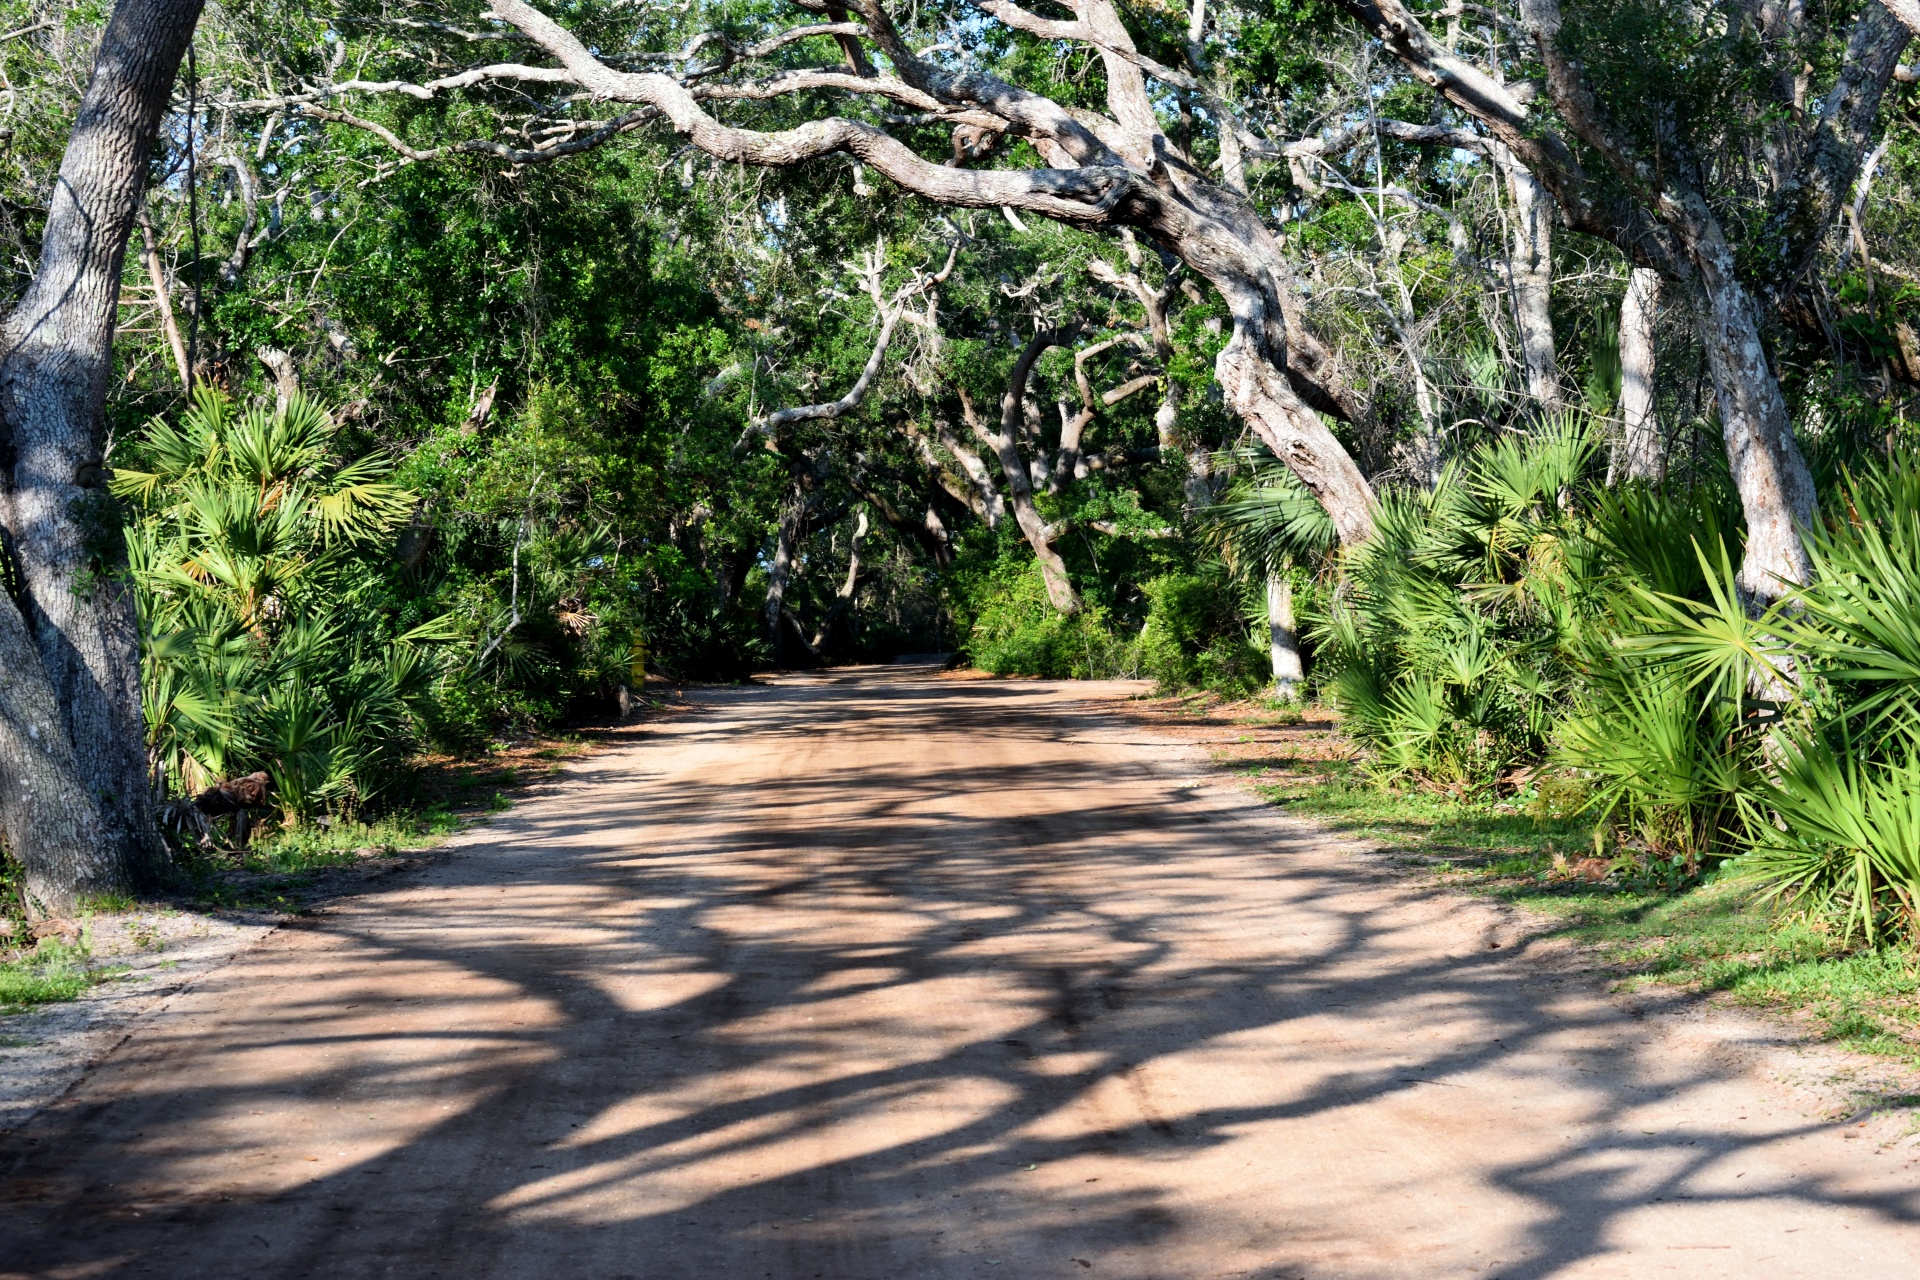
(254, 562)
(1446, 638)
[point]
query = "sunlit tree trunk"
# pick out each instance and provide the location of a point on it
(1283, 641)
(1640, 453)
(1771, 474)
(1530, 262)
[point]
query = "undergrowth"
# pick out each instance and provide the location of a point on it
(51, 972)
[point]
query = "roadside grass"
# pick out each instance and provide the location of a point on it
(1707, 935)
(51, 972)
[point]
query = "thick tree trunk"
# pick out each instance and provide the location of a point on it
(1640, 453)
(1770, 472)
(47, 817)
(1283, 641)
(55, 360)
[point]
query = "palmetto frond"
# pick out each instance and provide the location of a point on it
(251, 572)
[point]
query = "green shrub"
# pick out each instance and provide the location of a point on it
(1445, 644)
(256, 560)
(1018, 633)
(1840, 836)
(1195, 634)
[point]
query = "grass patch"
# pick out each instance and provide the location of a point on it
(1470, 836)
(1709, 935)
(51, 972)
(312, 847)
(271, 873)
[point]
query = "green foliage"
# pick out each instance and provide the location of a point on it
(257, 560)
(1191, 633)
(1446, 643)
(51, 972)
(1018, 632)
(1520, 614)
(1836, 825)
(1195, 634)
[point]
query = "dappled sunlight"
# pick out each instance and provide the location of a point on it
(891, 977)
(853, 1125)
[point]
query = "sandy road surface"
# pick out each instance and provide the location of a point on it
(878, 976)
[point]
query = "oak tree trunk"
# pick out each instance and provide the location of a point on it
(1005, 445)
(47, 818)
(55, 360)
(1531, 263)
(780, 570)
(1769, 471)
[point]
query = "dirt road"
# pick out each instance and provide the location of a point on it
(881, 977)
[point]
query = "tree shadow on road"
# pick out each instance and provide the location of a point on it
(846, 1017)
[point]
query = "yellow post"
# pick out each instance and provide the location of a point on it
(637, 664)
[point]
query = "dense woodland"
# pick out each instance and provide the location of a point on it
(1535, 384)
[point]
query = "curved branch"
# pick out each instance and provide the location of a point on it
(774, 423)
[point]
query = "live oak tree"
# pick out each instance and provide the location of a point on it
(1714, 147)
(1120, 168)
(74, 800)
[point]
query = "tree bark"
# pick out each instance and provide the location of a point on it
(286, 378)
(843, 599)
(780, 570)
(1283, 640)
(55, 360)
(1531, 264)
(1640, 453)
(1771, 474)
(47, 818)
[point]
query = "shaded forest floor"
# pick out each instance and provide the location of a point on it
(1708, 935)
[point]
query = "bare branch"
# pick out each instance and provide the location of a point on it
(480, 146)
(27, 31)
(250, 208)
(772, 424)
(498, 71)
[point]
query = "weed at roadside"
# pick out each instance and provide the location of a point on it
(51, 972)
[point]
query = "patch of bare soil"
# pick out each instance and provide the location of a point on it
(149, 955)
(156, 953)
